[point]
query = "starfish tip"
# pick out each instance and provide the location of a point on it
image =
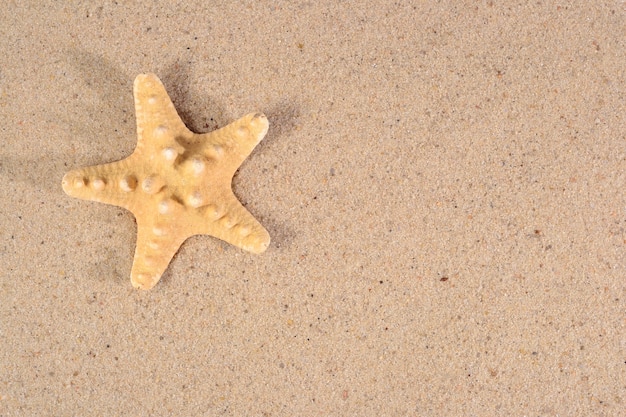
(72, 182)
(143, 281)
(259, 122)
(258, 245)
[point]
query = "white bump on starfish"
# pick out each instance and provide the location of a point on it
(215, 152)
(243, 230)
(79, 182)
(166, 207)
(159, 231)
(152, 184)
(128, 183)
(227, 222)
(98, 184)
(213, 212)
(197, 165)
(170, 154)
(242, 131)
(195, 199)
(160, 131)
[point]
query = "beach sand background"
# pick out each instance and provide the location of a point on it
(443, 181)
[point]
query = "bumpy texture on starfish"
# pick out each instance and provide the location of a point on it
(176, 183)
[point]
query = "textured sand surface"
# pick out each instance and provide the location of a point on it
(444, 185)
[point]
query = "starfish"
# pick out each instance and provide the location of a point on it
(176, 183)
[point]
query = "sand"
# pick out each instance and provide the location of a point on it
(444, 185)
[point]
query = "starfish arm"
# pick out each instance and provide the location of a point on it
(234, 142)
(234, 224)
(157, 119)
(110, 183)
(157, 243)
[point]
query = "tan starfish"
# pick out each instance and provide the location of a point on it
(177, 183)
